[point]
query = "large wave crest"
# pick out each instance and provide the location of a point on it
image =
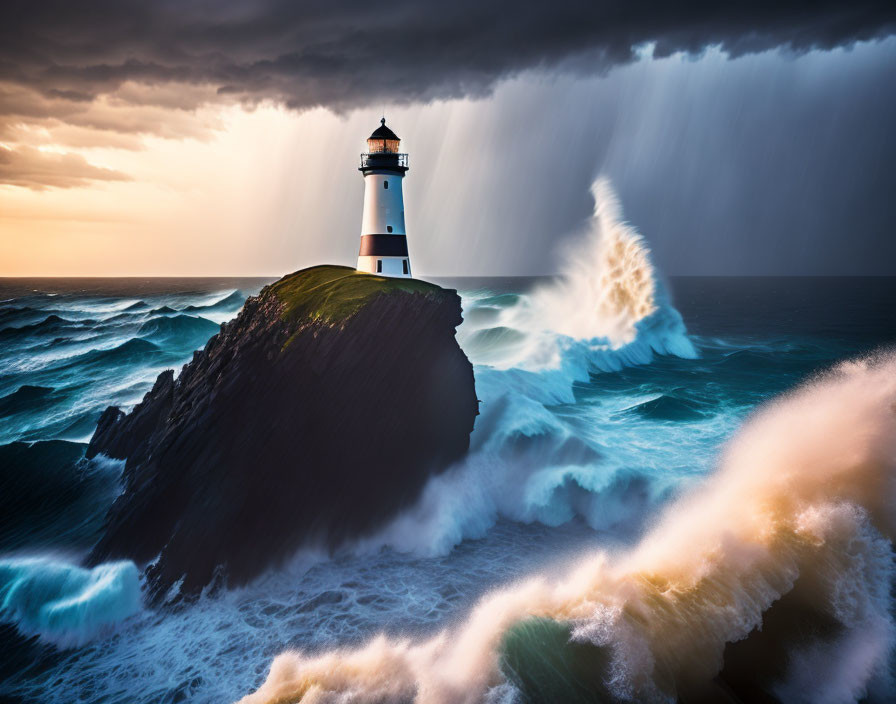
(775, 574)
(607, 310)
(66, 604)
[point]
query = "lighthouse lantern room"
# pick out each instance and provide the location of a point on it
(384, 243)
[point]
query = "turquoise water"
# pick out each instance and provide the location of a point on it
(581, 442)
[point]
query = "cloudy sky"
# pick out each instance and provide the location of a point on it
(222, 138)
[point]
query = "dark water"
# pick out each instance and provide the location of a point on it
(71, 347)
(564, 458)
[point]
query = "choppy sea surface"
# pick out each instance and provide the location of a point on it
(585, 436)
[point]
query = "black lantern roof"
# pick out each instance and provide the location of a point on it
(383, 132)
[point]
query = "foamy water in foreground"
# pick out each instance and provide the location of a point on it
(801, 506)
(588, 514)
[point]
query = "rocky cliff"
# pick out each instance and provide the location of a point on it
(310, 419)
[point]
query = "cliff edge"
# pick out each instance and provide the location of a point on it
(310, 419)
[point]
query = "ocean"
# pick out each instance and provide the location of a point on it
(609, 404)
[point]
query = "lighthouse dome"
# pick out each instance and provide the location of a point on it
(383, 132)
(382, 140)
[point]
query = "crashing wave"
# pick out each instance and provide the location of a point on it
(775, 575)
(606, 311)
(65, 604)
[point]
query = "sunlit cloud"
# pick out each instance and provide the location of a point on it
(180, 140)
(42, 168)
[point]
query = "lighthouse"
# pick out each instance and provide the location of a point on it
(384, 243)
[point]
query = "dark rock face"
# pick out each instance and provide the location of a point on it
(285, 432)
(119, 435)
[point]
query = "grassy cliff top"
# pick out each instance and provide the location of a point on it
(335, 293)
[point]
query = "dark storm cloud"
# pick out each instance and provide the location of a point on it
(102, 65)
(350, 53)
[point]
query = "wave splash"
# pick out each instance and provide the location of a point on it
(65, 604)
(782, 560)
(607, 310)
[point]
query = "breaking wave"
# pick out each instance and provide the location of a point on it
(774, 577)
(607, 310)
(65, 604)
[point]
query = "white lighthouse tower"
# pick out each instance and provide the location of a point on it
(384, 243)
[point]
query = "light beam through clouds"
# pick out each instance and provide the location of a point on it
(126, 149)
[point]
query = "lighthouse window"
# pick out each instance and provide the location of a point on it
(388, 228)
(404, 266)
(385, 184)
(379, 266)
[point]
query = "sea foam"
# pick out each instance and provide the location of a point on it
(606, 311)
(794, 528)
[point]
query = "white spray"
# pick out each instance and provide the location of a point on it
(607, 308)
(800, 513)
(605, 311)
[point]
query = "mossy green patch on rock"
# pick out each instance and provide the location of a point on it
(383, 399)
(333, 294)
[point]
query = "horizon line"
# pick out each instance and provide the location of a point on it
(4, 277)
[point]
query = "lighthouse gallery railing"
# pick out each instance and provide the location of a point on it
(371, 160)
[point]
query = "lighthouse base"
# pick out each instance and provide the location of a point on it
(396, 267)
